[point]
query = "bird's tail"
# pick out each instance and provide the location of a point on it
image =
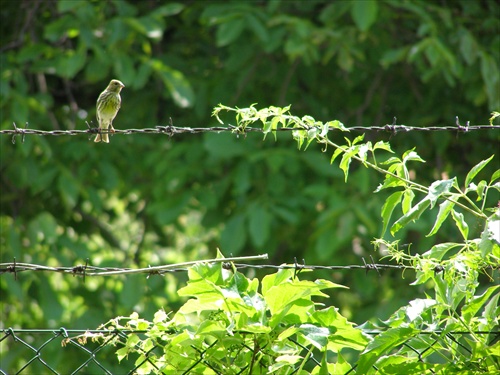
(102, 137)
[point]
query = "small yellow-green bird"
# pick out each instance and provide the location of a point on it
(108, 105)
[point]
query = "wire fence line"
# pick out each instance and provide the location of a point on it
(40, 350)
(228, 263)
(171, 130)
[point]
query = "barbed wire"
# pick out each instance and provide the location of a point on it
(228, 263)
(171, 130)
(88, 270)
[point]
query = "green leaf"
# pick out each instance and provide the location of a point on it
(347, 157)
(150, 27)
(390, 203)
(31, 52)
(284, 362)
(229, 31)
(122, 352)
(337, 152)
(363, 151)
(412, 215)
(390, 182)
(417, 307)
(124, 68)
(259, 225)
(257, 26)
(393, 56)
(476, 169)
(277, 278)
(71, 62)
(300, 137)
(317, 336)
(470, 309)
(383, 146)
(439, 188)
(392, 160)
(408, 197)
(358, 139)
(339, 367)
(438, 251)
(336, 124)
(69, 189)
(234, 235)
(495, 176)
(444, 210)
(280, 298)
(461, 223)
(364, 13)
(271, 126)
(490, 238)
(381, 345)
(142, 77)
(492, 309)
(412, 155)
(403, 364)
(323, 368)
(344, 164)
(177, 84)
(480, 189)
(468, 46)
(343, 332)
(170, 9)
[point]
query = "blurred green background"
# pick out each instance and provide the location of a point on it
(151, 200)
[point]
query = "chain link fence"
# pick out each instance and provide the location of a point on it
(70, 351)
(62, 351)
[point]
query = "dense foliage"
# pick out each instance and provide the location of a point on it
(147, 200)
(234, 325)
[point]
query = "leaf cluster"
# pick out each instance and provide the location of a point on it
(235, 325)
(451, 269)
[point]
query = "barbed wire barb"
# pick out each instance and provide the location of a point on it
(371, 266)
(462, 128)
(298, 267)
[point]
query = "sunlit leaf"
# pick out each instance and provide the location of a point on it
(444, 210)
(461, 223)
(411, 215)
(476, 169)
(390, 203)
